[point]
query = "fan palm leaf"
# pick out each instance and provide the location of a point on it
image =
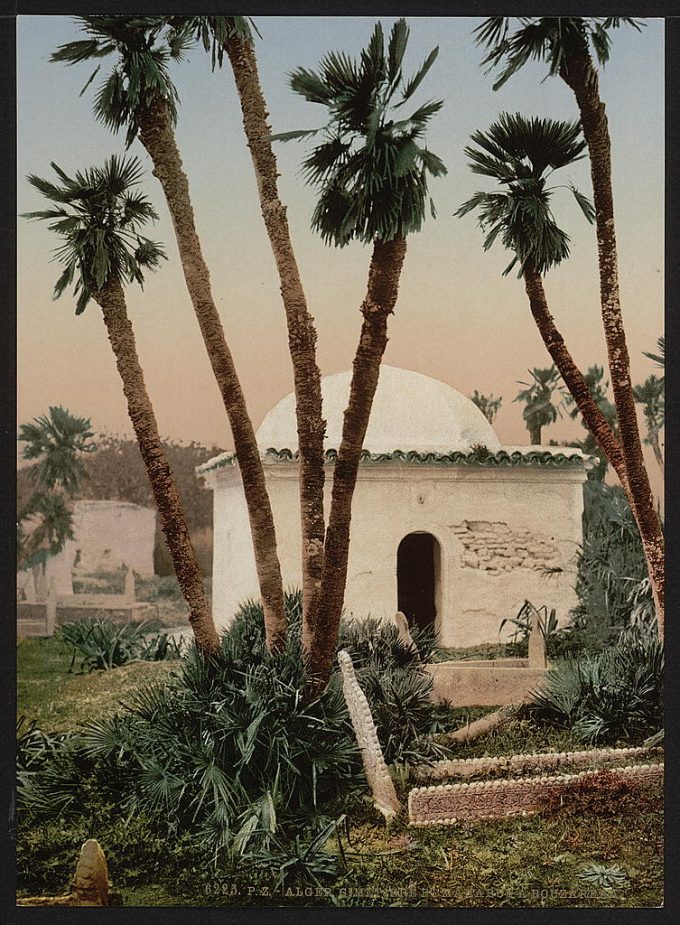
(520, 154)
(140, 73)
(371, 167)
(99, 225)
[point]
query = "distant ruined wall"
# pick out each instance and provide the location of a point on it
(110, 533)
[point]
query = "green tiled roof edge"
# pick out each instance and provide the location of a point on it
(478, 457)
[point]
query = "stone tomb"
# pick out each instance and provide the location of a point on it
(448, 526)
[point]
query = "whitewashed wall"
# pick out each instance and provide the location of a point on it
(457, 505)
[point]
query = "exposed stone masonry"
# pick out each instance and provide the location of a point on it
(494, 547)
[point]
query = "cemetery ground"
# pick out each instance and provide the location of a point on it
(551, 859)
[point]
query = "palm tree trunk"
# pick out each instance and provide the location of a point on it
(111, 299)
(157, 136)
(580, 75)
(320, 630)
(535, 434)
(301, 331)
(573, 378)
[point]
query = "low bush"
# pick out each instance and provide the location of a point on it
(614, 695)
(102, 644)
(34, 747)
(233, 751)
(372, 641)
(612, 584)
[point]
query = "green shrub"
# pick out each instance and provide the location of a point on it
(612, 585)
(404, 714)
(371, 641)
(396, 686)
(229, 752)
(102, 644)
(616, 694)
(232, 751)
(34, 747)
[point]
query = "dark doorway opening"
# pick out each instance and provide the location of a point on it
(417, 574)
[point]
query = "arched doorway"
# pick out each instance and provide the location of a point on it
(418, 576)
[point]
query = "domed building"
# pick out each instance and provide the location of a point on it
(448, 526)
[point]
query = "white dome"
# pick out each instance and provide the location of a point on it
(410, 412)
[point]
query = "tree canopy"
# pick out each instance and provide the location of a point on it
(99, 216)
(371, 168)
(521, 153)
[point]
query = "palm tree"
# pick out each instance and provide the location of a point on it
(651, 396)
(539, 397)
(54, 442)
(565, 44)
(44, 526)
(487, 404)
(138, 95)
(520, 154)
(233, 36)
(98, 215)
(599, 389)
(371, 169)
(659, 357)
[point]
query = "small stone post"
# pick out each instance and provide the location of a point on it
(91, 881)
(129, 586)
(90, 884)
(537, 657)
(379, 780)
(51, 610)
(405, 634)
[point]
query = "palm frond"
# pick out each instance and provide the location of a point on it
(545, 38)
(98, 222)
(518, 153)
(412, 85)
(371, 172)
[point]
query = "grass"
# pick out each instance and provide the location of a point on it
(533, 861)
(58, 700)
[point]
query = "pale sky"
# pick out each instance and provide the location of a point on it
(456, 319)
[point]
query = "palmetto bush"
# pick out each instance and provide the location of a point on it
(396, 686)
(616, 694)
(233, 752)
(102, 644)
(370, 641)
(229, 751)
(34, 747)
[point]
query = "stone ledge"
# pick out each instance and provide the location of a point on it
(469, 767)
(448, 804)
(480, 684)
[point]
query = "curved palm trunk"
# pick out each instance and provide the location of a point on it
(320, 630)
(301, 331)
(111, 299)
(573, 378)
(157, 136)
(580, 75)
